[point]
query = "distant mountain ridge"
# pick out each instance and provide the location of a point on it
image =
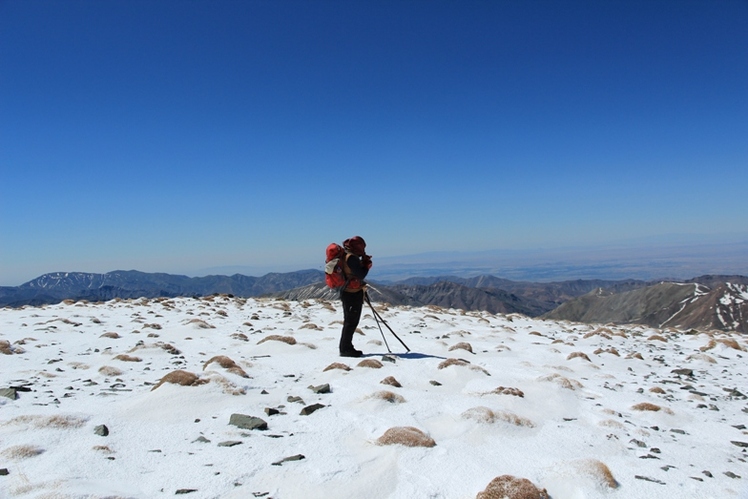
(58, 286)
(706, 302)
(723, 305)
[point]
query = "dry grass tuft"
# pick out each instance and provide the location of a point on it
(453, 362)
(103, 448)
(227, 364)
(112, 335)
(635, 355)
(610, 350)
(646, 406)
(612, 423)
(657, 389)
(276, 337)
(657, 337)
(391, 381)
(599, 471)
(602, 331)
(563, 382)
(201, 324)
(462, 346)
(702, 356)
(578, 355)
(372, 363)
(407, 436)
(222, 361)
(480, 414)
(180, 377)
(110, 371)
(728, 342)
(22, 451)
(505, 390)
(128, 358)
(486, 415)
(387, 396)
(337, 365)
(227, 386)
(311, 325)
(5, 347)
(511, 487)
(57, 422)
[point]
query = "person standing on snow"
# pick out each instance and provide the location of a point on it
(356, 265)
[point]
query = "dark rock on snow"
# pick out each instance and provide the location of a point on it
(247, 422)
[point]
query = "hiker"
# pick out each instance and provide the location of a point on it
(356, 264)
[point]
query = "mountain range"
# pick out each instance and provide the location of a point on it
(706, 302)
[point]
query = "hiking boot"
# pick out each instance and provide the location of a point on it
(351, 353)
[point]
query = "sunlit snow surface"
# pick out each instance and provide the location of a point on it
(574, 414)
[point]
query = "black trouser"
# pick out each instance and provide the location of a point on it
(353, 303)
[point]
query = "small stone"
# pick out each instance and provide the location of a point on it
(101, 430)
(185, 491)
(733, 392)
(730, 474)
(264, 392)
(638, 443)
(739, 444)
(707, 473)
(9, 393)
(230, 443)
(294, 399)
(4, 472)
(310, 409)
(388, 358)
(321, 388)
(271, 412)
(683, 372)
(248, 422)
(435, 383)
(201, 439)
(297, 457)
(649, 479)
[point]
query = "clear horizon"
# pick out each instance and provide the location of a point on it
(623, 260)
(170, 136)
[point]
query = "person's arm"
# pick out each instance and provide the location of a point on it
(358, 270)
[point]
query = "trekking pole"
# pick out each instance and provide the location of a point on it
(379, 318)
(378, 325)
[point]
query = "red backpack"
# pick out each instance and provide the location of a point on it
(334, 275)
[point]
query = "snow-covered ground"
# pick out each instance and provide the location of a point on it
(583, 411)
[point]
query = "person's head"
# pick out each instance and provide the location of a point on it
(355, 245)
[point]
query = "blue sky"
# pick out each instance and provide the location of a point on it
(184, 135)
